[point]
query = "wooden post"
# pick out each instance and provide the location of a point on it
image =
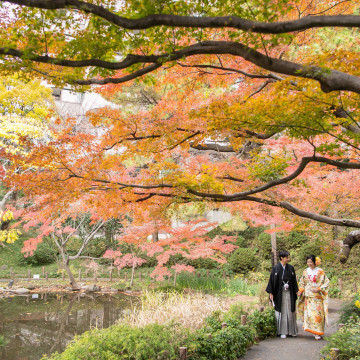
(224, 275)
(243, 320)
(261, 308)
(62, 275)
(47, 276)
(110, 274)
(126, 277)
(95, 275)
(273, 246)
(43, 271)
(183, 353)
(207, 273)
(29, 274)
(140, 275)
(79, 274)
(354, 287)
(334, 354)
(340, 285)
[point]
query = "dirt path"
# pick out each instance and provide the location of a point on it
(304, 346)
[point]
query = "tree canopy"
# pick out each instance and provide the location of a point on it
(252, 105)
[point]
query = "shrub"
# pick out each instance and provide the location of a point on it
(351, 309)
(44, 254)
(214, 342)
(151, 342)
(243, 260)
(312, 248)
(263, 242)
(347, 340)
(241, 241)
(264, 323)
(295, 239)
(203, 263)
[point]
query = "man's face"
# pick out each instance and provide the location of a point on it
(285, 260)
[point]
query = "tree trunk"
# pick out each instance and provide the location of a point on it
(155, 236)
(132, 275)
(74, 284)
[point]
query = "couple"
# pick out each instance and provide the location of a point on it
(312, 292)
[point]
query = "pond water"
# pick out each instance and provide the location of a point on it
(39, 324)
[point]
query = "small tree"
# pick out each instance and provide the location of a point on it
(61, 231)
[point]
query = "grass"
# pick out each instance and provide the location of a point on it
(187, 309)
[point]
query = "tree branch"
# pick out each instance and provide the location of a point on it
(280, 27)
(330, 80)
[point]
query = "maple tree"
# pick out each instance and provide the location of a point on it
(62, 230)
(188, 241)
(243, 88)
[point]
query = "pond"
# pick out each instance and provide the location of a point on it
(39, 324)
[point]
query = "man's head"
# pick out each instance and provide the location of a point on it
(284, 257)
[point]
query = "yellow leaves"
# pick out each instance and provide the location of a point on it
(6, 216)
(13, 129)
(203, 181)
(8, 236)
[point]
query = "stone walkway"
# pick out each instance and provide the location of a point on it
(302, 347)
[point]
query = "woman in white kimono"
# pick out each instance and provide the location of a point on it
(313, 297)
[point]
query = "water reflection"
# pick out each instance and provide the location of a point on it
(33, 326)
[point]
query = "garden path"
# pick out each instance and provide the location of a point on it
(302, 347)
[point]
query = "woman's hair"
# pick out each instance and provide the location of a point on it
(312, 257)
(283, 254)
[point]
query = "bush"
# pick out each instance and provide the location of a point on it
(350, 310)
(312, 248)
(45, 253)
(230, 342)
(263, 242)
(295, 239)
(241, 242)
(203, 263)
(264, 323)
(214, 342)
(347, 340)
(152, 342)
(243, 260)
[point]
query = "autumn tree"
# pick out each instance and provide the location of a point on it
(270, 87)
(189, 241)
(62, 230)
(25, 107)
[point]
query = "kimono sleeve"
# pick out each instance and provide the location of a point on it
(271, 284)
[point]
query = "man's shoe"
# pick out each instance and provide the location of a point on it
(283, 336)
(294, 335)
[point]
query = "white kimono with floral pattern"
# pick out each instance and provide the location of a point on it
(313, 307)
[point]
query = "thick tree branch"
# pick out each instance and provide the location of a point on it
(194, 21)
(330, 80)
(303, 163)
(350, 241)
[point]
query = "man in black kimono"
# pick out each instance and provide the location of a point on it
(282, 289)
